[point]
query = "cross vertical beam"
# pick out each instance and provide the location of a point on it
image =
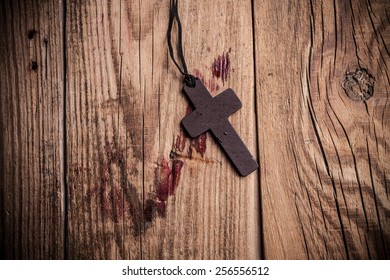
(212, 114)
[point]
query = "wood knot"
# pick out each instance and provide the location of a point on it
(34, 65)
(31, 33)
(359, 84)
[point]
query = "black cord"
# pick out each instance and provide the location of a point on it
(189, 79)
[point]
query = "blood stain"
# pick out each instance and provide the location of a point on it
(166, 182)
(177, 165)
(221, 66)
(180, 141)
(210, 84)
(199, 144)
(112, 203)
(162, 179)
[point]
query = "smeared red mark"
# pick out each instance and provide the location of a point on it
(210, 84)
(166, 181)
(213, 86)
(198, 74)
(180, 141)
(119, 198)
(162, 179)
(188, 110)
(221, 66)
(161, 208)
(122, 198)
(177, 165)
(199, 144)
(112, 204)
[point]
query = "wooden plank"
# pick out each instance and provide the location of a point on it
(104, 129)
(125, 148)
(325, 157)
(211, 213)
(31, 86)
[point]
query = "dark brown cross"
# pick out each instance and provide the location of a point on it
(212, 114)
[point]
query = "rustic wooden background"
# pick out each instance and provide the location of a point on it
(94, 165)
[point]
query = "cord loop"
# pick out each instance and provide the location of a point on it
(189, 79)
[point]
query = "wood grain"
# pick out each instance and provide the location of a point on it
(31, 86)
(213, 213)
(104, 137)
(94, 163)
(126, 151)
(331, 200)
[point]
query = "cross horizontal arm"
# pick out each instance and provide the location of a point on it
(226, 103)
(196, 123)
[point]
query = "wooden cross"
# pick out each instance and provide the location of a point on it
(212, 114)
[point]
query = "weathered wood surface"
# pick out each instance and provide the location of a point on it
(94, 165)
(125, 149)
(324, 157)
(31, 142)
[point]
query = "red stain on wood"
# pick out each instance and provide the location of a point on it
(112, 201)
(199, 144)
(199, 75)
(119, 197)
(177, 165)
(188, 110)
(162, 179)
(161, 207)
(166, 181)
(180, 143)
(213, 86)
(221, 66)
(210, 84)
